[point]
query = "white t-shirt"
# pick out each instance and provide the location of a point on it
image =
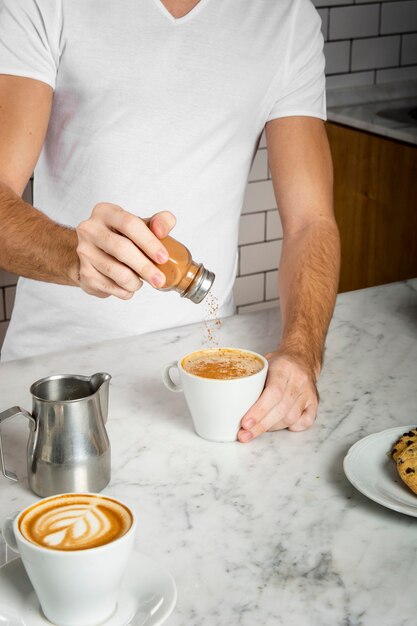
(153, 113)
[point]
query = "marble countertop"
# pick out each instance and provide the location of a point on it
(271, 532)
(360, 108)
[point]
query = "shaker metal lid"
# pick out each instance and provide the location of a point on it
(200, 286)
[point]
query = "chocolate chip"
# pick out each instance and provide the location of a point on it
(410, 470)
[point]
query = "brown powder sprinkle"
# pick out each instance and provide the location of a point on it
(211, 322)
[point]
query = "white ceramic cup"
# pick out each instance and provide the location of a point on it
(217, 405)
(74, 587)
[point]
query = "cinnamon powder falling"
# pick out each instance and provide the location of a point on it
(211, 322)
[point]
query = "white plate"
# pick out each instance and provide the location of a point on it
(369, 468)
(148, 596)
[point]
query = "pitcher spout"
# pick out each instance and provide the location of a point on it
(100, 382)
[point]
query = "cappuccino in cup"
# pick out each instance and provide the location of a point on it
(75, 549)
(222, 363)
(220, 385)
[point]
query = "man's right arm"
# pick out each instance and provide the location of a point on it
(107, 254)
(31, 244)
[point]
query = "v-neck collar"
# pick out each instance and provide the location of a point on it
(184, 18)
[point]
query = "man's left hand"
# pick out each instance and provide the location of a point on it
(290, 399)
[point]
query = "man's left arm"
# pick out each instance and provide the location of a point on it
(301, 167)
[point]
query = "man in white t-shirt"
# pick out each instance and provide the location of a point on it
(156, 108)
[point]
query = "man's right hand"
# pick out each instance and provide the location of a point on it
(118, 251)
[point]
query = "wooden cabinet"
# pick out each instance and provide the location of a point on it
(375, 196)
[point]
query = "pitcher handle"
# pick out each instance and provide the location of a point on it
(5, 415)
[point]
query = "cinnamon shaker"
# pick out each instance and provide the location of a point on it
(190, 279)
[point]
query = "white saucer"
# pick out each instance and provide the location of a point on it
(148, 596)
(369, 468)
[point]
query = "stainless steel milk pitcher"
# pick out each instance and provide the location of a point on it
(68, 448)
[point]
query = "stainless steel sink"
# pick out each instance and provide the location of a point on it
(404, 115)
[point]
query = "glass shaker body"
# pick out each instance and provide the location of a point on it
(190, 279)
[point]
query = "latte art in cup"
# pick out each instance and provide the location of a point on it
(75, 522)
(222, 363)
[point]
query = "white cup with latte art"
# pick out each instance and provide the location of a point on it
(75, 549)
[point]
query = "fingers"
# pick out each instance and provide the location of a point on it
(114, 218)
(289, 400)
(293, 414)
(104, 276)
(162, 223)
(117, 250)
(307, 419)
(297, 418)
(103, 287)
(262, 407)
(258, 420)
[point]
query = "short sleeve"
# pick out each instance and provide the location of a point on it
(303, 90)
(29, 39)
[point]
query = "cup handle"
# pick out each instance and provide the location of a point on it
(8, 532)
(166, 377)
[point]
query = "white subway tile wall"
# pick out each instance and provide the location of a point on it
(273, 225)
(409, 49)
(398, 17)
(356, 79)
(259, 257)
(354, 21)
(369, 42)
(366, 42)
(271, 285)
(376, 52)
(397, 74)
(249, 289)
(259, 197)
(252, 228)
(337, 56)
